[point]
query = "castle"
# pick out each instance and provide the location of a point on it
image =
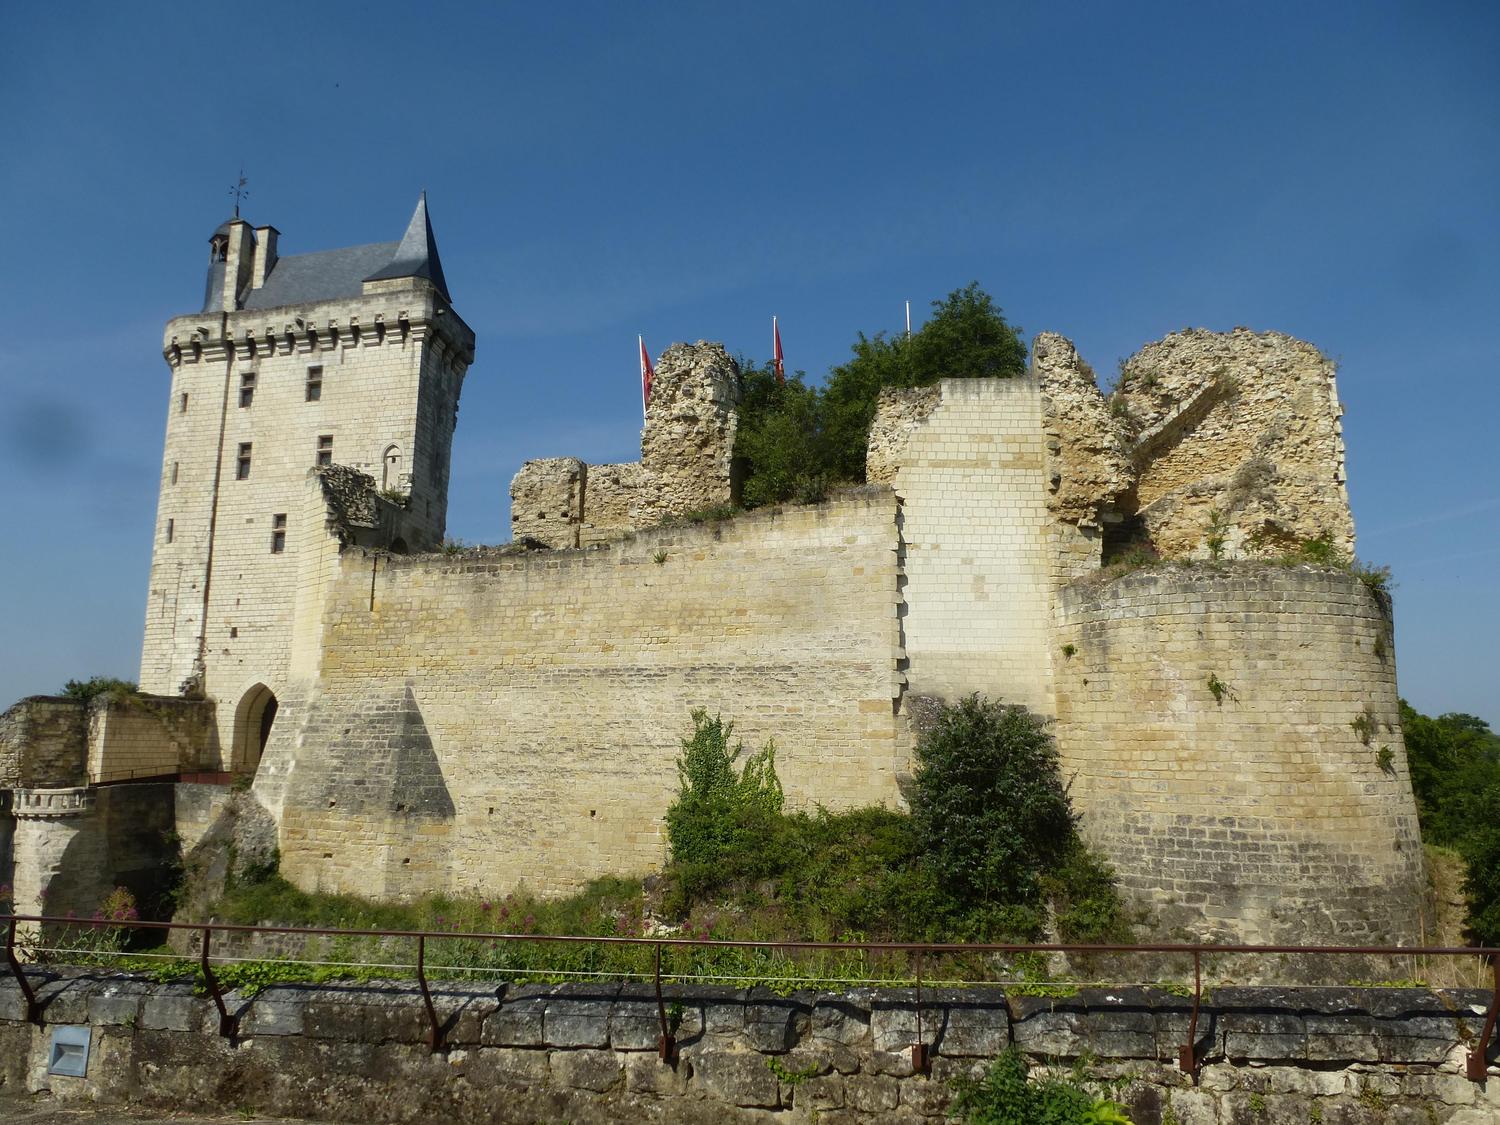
(414, 719)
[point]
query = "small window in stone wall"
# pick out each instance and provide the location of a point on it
(242, 462)
(182, 403)
(174, 472)
(325, 449)
(314, 384)
(247, 389)
(278, 533)
(171, 528)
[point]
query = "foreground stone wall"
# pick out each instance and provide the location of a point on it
(1269, 813)
(493, 718)
(587, 1053)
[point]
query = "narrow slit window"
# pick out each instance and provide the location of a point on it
(278, 533)
(242, 462)
(182, 403)
(314, 384)
(247, 389)
(171, 530)
(174, 472)
(325, 450)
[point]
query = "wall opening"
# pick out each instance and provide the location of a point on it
(253, 720)
(390, 473)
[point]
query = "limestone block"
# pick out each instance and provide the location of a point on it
(598, 1071)
(739, 1078)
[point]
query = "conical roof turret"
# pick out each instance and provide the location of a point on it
(417, 255)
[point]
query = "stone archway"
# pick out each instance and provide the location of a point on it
(253, 719)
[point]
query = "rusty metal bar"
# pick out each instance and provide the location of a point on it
(1187, 1055)
(19, 973)
(666, 1045)
(435, 1031)
(920, 1062)
(1476, 1066)
(226, 1025)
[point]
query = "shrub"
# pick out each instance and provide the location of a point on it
(1005, 1096)
(725, 822)
(90, 689)
(990, 813)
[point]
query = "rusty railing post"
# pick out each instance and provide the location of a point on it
(1476, 1066)
(434, 1032)
(920, 1062)
(18, 973)
(1187, 1055)
(226, 1025)
(666, 1045)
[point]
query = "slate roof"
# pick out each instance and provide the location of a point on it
(417, 256)
(301, 279)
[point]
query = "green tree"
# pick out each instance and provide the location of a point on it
(780, 438)
(1454, 759)
(967, 337)
(991, 814)
(87, 690)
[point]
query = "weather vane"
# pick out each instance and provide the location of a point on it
(240, 191)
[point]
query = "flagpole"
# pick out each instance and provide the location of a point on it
(640, 357)
(908, 320)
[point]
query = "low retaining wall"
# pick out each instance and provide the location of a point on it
(587, 1053)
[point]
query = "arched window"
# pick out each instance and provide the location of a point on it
(390, 469)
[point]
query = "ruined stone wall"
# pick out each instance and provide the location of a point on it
(546, 501)
(43, 742)
(1261, 815)
(488, 719)
(148, 736)
(977, 559)
(587, 1053)
(614, 502)
(686, 465)
(1244, 424)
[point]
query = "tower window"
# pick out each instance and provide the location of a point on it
(171, 529)
(174, 472)
(314, 384)
(242, 462)
(247, 389)
(182, 403)
(325, 450)
(278, 533)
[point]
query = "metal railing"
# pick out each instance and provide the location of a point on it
(1189, 1058)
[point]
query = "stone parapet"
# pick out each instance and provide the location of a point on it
(588, 1053)
(41, 804)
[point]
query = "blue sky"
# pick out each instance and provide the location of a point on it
(1109, 171)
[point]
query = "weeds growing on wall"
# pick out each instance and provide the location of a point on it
(1006, 1094)
(92, 688)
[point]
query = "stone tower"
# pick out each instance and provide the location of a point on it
(350, 357)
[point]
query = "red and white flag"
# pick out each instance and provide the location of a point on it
(647, 374)
(776, 351)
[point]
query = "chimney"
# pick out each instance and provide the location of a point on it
(237, 264)
(265, 255)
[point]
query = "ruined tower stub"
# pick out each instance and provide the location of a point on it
(294, 362)
(686, 465)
